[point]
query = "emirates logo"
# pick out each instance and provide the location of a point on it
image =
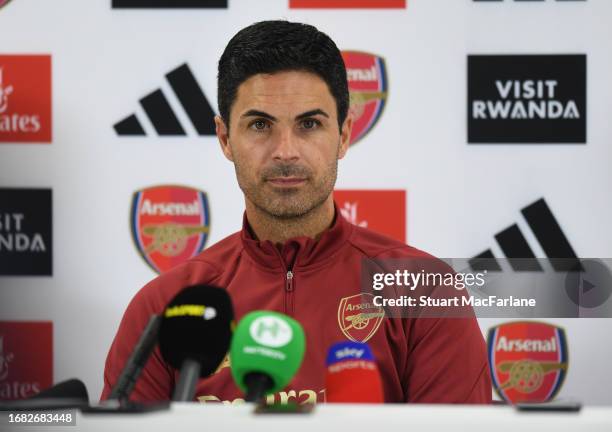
(4, 361)
(4, 91)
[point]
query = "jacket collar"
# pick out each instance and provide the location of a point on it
(298, 252)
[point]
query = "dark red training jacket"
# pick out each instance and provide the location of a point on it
(429, 360)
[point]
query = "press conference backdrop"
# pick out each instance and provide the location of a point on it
(99, 105)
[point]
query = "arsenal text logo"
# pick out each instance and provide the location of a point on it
(358, 318)
(528, 360)
(367, 79)
(170, 224)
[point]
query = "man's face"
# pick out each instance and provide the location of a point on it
(285, 142)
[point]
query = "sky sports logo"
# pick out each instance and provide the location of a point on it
(527, 98)
(164, 118)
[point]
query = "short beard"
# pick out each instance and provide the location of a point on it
(296, 210)
(284, 207)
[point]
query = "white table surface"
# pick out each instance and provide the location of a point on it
(340, 418)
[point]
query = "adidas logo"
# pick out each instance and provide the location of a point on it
(163, 117)
(515, 247)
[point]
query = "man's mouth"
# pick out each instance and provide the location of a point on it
(286, 181)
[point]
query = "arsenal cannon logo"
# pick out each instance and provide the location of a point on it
(358, 317)
(170, 224)
(528, 360)
(367, 80)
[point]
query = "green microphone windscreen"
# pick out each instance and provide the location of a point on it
(268, 344)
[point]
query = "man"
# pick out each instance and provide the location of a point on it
(283, 101)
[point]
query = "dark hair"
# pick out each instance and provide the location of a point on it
(275, 46)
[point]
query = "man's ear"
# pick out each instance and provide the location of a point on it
(345, 135)
(222, 132)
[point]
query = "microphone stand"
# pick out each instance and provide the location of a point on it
(185, 389)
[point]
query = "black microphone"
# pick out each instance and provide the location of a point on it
(195, 334)
(71, 393)
(133, 368)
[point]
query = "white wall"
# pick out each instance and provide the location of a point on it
(458, 195)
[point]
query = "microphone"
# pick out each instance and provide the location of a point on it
(71, 393)
(130, 373)
(266, 352)
(195, 334)
(352, 374)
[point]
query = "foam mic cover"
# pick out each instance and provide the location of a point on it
(197, 326)
(266, 353)
(352, 374)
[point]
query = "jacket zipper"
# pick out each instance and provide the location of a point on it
(289, 293)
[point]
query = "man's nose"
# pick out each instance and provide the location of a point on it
(286, 145)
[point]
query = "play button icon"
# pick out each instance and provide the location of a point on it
(586, 286)
(590, 287)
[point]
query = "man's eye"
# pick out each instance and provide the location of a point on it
(259, 125)
(310, 123)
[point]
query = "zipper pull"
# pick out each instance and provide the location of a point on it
(289, 284)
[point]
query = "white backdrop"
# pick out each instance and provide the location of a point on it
(459, 195)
